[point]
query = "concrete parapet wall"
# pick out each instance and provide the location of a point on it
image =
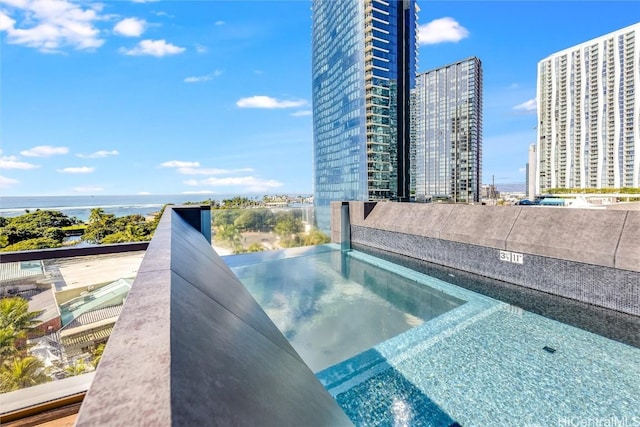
(608, 238)
(628, 252)
(193, 348)
(588, 255)
(582, 235)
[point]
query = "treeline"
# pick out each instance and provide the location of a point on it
(287, 225)
(43, 229)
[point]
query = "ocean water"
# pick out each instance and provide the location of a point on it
(80, 206)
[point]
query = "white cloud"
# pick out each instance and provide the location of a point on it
(201, 48)
(268, 102)
(7, 182)
(522, 170)
(44, 151)
(302, 113)
(206, 77)
(218, 23)
(247, 183)
(130, 27)
(98, 154)
(51, 25)
(144, 193)
(441, 30)
(144, 1)
(530, 105)
(11, 162)
(88, 189)
(179, 164)
(204, 171)
(6, 22)
(80, 169)
(156, 48)
(199, 192)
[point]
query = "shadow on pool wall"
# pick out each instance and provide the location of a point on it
(608, 323)
(592, 256)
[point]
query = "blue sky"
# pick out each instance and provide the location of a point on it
(214, 97)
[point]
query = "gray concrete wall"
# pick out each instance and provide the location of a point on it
(589, 255)
(192, 347)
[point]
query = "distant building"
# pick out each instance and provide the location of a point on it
(448, 132)
(531, 172)
(363, 69)
(489, 192)
(588, 133)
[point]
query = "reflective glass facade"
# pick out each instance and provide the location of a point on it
(364, 66)
(447, 131)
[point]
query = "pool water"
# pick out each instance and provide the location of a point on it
(332, 306)
(418, 351)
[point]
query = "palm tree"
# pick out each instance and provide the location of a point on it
(76, 369)
(8, 338)
(229, 233)
(14, 312)
(21, 372)
(97, 354)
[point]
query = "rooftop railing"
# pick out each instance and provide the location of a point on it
(192, 346)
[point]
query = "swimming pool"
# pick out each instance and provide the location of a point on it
(454, 356)
(332, 306)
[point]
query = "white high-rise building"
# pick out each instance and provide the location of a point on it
(588, 132)
(531, 172)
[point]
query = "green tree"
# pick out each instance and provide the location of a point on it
(225, 217)
(21, 372)
(238, 202)
(107, 228)
(54, 233)
(78, 368)
(17, 233)
(100, 225)
(287, 225)
(229, 234)
(255, 220)
(32, 244)
(315, 237)
(8, 337)
(255, 247)
(97, 354)
(14, 312)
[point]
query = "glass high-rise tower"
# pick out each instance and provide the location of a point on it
(447, 133)
(364, 67)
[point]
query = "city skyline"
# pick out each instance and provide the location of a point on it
(215, 97)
